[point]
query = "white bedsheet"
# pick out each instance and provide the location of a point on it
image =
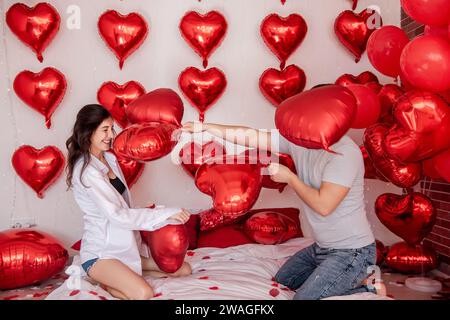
(237, 273)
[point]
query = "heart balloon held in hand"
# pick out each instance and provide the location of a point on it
(146, 142)
(168, 246)
(28, 257)
(233, 184)
(41, 91)
(411, 217)
(123, 34)
(36, 26)
(39, 168)
(193, 155)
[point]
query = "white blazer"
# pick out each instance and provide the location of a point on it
(111, 227)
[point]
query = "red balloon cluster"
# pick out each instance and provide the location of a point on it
(36, 26)
(123, 34)
(28, 257)
(168, 246)
(156, 117)
(38, 168)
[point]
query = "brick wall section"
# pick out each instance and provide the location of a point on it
(438, 191)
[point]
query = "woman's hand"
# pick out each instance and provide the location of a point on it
(182, 216)
(195, 127)
(280, 173)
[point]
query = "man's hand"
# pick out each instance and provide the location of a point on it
(182, 216)
(194, 127)
(280, 173)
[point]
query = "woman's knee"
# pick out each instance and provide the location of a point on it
(141, 292)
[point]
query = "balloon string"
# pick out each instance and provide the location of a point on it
(10, 103)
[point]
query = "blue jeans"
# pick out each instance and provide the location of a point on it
(318, 272)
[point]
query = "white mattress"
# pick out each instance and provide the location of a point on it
(237, 273)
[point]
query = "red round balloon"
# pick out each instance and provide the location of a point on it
(277, 85)
(405, 258)
(36, 26)
(317, 118)
(442, 31)
(28, 257)
(353, 30)
(41, 91)
(425, 63)
(38, 168)
(161, 105)
(146, 142)
(367, 106)
(402, 175)
(270, 227)
(167, 246)
(384, 48)
(422, 127)
(204, 33)
(115, 98)
(283, 35)
(431, 12)
(123, 34)
(193, 155)
(411, 216)
(233, 183)
(202, 88)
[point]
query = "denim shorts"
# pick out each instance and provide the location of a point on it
(88, 265)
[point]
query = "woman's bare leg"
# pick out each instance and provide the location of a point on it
(151, 268)
(120, 280)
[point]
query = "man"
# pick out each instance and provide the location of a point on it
(331, 187)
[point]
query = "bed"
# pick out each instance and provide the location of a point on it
(243, 272)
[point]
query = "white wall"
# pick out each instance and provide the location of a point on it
(86, 62)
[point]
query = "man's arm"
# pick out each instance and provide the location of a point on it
(323, 201)
(240, 135)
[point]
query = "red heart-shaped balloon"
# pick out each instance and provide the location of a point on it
(193, 155)
(389, 96)
(233, 183)
(160, 105)
(28, 257)
(370, 171)
(131, 169)
(283, 35)
(317, 118)
(402, 175)
(355, 4)
(440, 166)
(405, 258)
(39, 168)
(353, 30)
(277, 85)
(211, 219)
(270, 227)
(123, 34)
(168, 246)
(41, 91)
(422, 129)
(115, 98)
(367, 78)
(368, 106)
(264, 158)
(36, 26)
(411, 216)
(203, 33)
(145, 142)
(202, 88)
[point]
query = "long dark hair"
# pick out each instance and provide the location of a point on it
(79, 143)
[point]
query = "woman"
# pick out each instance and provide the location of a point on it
(112, 252)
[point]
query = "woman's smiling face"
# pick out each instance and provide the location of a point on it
(102, 138)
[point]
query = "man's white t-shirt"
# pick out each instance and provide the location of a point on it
(347, 227)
